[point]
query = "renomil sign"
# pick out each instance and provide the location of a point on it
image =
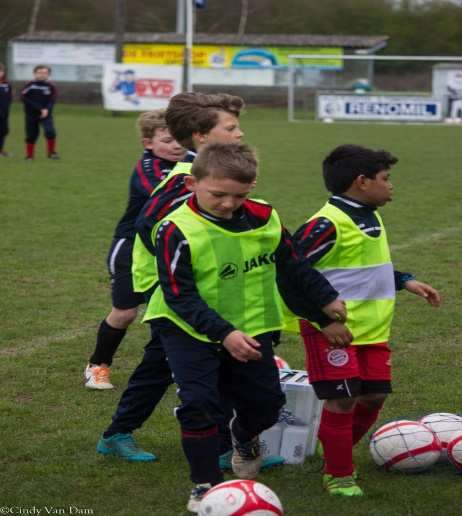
(374, 107)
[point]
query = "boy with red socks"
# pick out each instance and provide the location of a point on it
(346, 241)
(39, 97)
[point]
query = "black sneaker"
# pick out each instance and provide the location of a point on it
(195, 498)
(54, 155)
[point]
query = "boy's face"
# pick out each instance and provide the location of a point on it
(219, 197)
(226, 130)
(164, 146)
(379, 190)
(41, 74)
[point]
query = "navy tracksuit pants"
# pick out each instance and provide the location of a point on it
(206, 372)
(4, 130)
(33, 123)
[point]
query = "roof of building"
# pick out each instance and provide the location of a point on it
(296, 40)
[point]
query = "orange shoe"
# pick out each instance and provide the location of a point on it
(97, 377)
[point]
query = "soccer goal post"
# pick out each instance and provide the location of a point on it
(312, 77)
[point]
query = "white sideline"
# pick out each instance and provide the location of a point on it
(433, 237)
(23, 347)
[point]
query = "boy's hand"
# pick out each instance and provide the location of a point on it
(241, 346)
(338, 335)
(336, 310)
(423, 290)
(43, 113)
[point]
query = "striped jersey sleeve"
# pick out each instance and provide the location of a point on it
(315, 238)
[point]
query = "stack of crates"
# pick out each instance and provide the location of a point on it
(295, 435)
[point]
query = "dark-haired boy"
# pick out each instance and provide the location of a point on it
(220, 257)
(346, 241)
(39, 97)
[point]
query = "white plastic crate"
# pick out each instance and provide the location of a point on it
(294, 436)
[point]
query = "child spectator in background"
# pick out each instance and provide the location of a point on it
(6, 95)
(39, 97)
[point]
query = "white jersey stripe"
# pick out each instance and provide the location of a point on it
(113, 256)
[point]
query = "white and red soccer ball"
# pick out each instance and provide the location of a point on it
(239, 498)
(444, 425)
(281, 363)
(404, 445)
(455, 450)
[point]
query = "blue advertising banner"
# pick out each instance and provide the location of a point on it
(379, 107)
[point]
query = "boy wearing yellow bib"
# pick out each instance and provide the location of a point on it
(219, 258)
(346, 241)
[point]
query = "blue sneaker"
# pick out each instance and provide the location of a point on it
(124, 446)
(268, 462)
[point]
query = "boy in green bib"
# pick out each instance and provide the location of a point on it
(220, 257)
(346, 241)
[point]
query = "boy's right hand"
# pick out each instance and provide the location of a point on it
(43, 113)
(337, 334)
(241, 346)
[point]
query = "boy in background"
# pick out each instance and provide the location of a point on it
(6, 95)
(39, 97)
(160, 155)
(346, 241)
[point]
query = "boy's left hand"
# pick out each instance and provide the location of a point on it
(336, 310)
(423, 290)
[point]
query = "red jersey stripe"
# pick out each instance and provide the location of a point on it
(143, 179)
(171, 277)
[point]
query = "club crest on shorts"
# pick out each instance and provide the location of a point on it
(338, 357)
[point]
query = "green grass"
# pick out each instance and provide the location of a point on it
(57, 222)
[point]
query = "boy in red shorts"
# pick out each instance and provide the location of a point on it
(346, 241)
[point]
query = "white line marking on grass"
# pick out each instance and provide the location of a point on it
(22, 347)
(432, 237)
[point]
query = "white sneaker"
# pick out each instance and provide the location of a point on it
(246, 459)
(195, 498)
(97, 377)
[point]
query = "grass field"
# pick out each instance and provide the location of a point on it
(57, 221)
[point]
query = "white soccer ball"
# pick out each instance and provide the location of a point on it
(444, 425)
(405, 446)
(281, 363)
(455, 450)
(240, 497)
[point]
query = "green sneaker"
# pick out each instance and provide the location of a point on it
(268, 462)
(343, 486)
(124, 446)
(319, 452)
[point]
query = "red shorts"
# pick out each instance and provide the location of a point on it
(325, 363)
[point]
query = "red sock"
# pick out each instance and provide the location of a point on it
(30, 148)
(51, 145)
(336, 435)
(363, 419)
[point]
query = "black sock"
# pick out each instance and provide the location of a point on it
(107, 342)
(240, 434)
(202, 450)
